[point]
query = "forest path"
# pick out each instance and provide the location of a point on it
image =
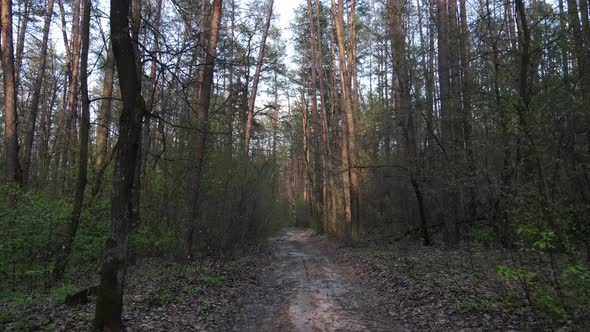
(304, 289)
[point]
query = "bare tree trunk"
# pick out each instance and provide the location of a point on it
(275, 117)
(114, 267)
(306, 166)
(405, 113)
(255, 80)
(582, 55)
(13, 169)
(233, 89)
(201, 123)
(37, 85)
(326, 175)
(317, 185)
(451, 228)
(20, 41)
(455, 90)
(466, 113)
(61, 146)
(146, 140)
(427, 72)
(444, 71)
(350, 176)
(82, 179)
(72, 103)
(104, 120)
(104, 117)
(50, 96)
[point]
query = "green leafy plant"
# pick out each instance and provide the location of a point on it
(549, 306)
(515, 273)
(160, 297)
(212, 280)
(59, 294)
(191, 290)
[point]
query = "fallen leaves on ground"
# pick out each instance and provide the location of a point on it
(433, 289)
(161, 295)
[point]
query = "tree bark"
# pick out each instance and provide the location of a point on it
(82, 178)
(466, 111)
(103, 129)
(35, 99)
(114, 267)
(201, 121)
(582, 55)
(317, 184)
(405, 113)
(13, 169)
(46, 122)
(146, 140)
(350, 176)
(72, 102)
(255, 81)
(20, 41)
(449, 198)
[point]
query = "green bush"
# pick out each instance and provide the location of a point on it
(32, 226)
(482, 234)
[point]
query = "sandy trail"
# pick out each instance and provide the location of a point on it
(305, 290)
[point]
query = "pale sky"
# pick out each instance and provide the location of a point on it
(286, 9)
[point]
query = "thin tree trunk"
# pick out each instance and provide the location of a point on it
(350, 176)
(307, 168)
(35, 99)
(324, 119)
(233, 89)
(61, 146)
(72, 103)
(51, 93)
(582, 59)
(466, 114)
(201, 123)
(404, 109)
(104, 120)
(82, 179)
(146, 140)
(20, 41)
(275, 117)
(255, 81)
(317, 185)
(427, 73)
(135, 35)
(104, 117)
(444, 71)
(13, 169)
(451, 229)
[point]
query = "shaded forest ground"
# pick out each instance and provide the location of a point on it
(317, 284)
(301, 281)
(161, 296)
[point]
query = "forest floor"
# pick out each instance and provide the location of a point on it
(161, 295)
(305, 289)
(300, 281)
(316, 284)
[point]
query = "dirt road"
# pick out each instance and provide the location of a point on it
(305, 290)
